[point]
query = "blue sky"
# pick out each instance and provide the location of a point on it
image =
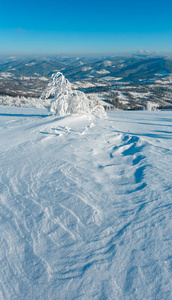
(81, 27)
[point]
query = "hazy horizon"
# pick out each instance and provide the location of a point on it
(15, 56)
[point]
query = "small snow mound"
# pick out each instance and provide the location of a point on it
(64, 100)
(152, 106)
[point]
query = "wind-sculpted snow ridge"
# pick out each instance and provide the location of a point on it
(85, 206)
(64, 100)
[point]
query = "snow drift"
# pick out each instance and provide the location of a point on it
(64, 100)
(85, 206)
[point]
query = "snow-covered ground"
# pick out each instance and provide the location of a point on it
(85, 205)
(103, 71)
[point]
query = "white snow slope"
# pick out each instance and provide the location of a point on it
(85, 205)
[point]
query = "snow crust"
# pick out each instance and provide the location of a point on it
(64, 100)
(85, 205)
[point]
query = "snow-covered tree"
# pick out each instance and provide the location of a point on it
(64, 100)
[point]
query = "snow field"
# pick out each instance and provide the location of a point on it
(85, 205)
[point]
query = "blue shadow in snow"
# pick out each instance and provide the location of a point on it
(23, 115)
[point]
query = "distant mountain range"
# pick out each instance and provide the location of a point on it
(124, 82)
(130, 68)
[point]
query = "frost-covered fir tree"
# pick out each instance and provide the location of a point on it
(64, 100)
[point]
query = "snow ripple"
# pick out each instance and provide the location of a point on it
(85, 211)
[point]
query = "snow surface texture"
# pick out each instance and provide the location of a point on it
(65, 100)
(85, 206)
